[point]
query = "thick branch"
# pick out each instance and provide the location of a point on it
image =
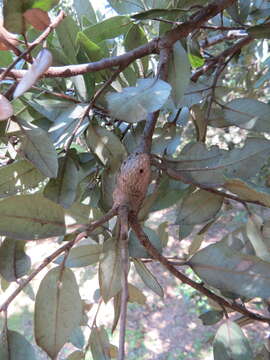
(198, 286)
(151, 47)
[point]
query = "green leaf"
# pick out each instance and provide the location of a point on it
(13, 16)
(135, 248)
(254, 233)
(50, 108)
(100, 344)
(261, 31)
(110, 270)
(108, 29)
(106, 145)
(67, 32)
(179, 73)
(65, 124)
(32, 217)
(84, 8)
(134, 103)
(136, 37)
(228, 270)
(215, 165)
(14, 263)
(93, 51)
(58, 291)
(76, 355)
(37, 147)
(230, 343)
(249, 114)
(77, 338)
(239, 10)
(123, 7)
(6, 58)
(62, 190)
(198, 207)
(81, 256)
(157, 13)
(82, 214)
(211, 317)
(18, 177)
(148, 278)
(14, 346)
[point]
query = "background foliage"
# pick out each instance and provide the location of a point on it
(68, 123)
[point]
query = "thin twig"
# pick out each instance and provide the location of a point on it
(90, 228)
(186, 280)
(38, 41)
(92, 102)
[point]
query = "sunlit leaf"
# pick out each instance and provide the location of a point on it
(37, 147)
(134, 103)
(106, 145)
(59, 291)
(65, 124)
(76, 355)
(17, 177)
(6, 109)
(230, 343)
(179, 72)
(40, 65)
(109, 28)
(83, 255)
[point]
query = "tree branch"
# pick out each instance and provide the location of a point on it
(38, 41)
(55, 254)
(152, 47)
(186, 280)
(231, 51)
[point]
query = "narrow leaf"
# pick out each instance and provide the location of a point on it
(110, 270)
(99, 344)
(179, 72)
(6, 109)
(148, 278)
